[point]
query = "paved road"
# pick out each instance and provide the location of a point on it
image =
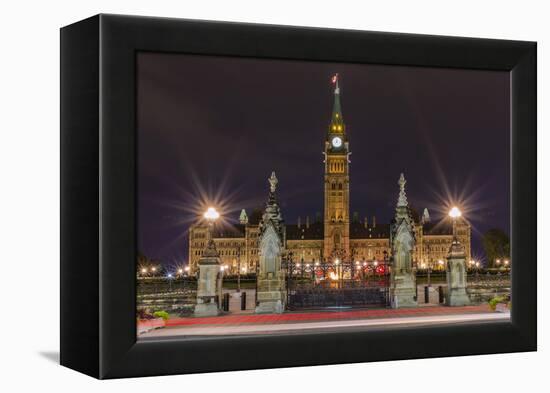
(220, 330)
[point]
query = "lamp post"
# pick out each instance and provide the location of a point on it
(429, 265)
(456, 268)
(455, 213)
(211, 215)
(210, 275)
(238, 268)
(169, 276)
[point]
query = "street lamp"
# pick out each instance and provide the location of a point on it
(455, 212)
(211, 215)
(472, 264)
(169, 276)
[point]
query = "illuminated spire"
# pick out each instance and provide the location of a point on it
(402, 200)
(337, 120)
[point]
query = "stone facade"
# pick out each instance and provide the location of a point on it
(335, 234)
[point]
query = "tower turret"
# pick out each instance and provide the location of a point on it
(243, 218)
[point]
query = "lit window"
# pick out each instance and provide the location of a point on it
(339, 128)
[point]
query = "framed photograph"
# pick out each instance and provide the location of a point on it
(214, 217)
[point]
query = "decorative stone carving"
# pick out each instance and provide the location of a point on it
(456, 276)
(271, 294)
(402, 241)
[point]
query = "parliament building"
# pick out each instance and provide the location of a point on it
(335, 234)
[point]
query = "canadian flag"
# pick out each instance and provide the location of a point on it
(335, 78)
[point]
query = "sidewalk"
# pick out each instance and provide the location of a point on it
(326, 321)
(245, 319)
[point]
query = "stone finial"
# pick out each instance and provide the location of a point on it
(426, 216)
(299, 222)
(402, 200)
(273, 182)
(272, 213)
(307, 221)
(374, 221)
(366, 222)
(243, 218)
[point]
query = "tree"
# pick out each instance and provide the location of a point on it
(497, 245)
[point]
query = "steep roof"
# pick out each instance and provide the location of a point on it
(315, 231)
(357, 230)
(229, 231)
(439, 228)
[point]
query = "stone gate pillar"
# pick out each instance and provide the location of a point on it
(456, 275)
(271, 292)
(208, 282)
(402, 241)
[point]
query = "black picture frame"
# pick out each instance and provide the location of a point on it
(98, 196)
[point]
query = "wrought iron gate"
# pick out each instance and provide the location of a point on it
(337, 284)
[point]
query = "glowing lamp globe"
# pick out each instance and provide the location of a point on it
(211, 214)
(455, 212)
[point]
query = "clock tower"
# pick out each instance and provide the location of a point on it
(336, 215)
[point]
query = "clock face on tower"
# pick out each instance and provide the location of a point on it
(336, 141)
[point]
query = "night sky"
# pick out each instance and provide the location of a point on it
(215, 128)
